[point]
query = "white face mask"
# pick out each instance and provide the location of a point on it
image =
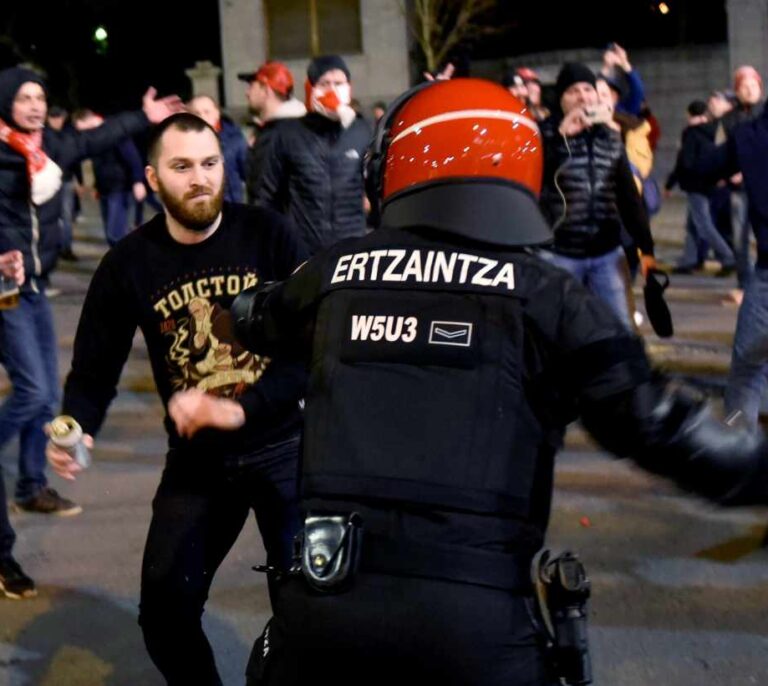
(333, 102)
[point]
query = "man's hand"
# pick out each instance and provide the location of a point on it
(158, 109)
(139, 191)
(647, 263)
(62, 462)
(192, 410)
(574, 123)
(12, 265)
(622, 59)
(445, 75)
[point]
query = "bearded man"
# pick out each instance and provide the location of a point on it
(227, 455)
(313, 169)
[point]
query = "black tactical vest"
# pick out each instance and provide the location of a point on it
(416, 390)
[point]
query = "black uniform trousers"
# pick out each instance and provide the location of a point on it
(397, 630)
(197, 515)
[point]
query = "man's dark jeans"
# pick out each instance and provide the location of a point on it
(197, 514)
(7, 535)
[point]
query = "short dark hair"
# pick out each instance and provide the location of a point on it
(697, 108)
(81, 113)
(182, 121)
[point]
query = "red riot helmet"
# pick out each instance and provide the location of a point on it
(461, 156)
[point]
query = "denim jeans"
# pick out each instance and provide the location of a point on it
(197, 514)
(115, 213)
(742, 230)
(28, 348)
(749, 363)
(607, 276)
(7, 535)
(701, 232)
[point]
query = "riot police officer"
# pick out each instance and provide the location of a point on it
(446, 360)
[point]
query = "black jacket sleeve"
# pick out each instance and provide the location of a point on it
(268, 185)
(673, 434)
(634, 413)
(278, 319)
(77, 145)
(102, 343)
(284, 381)
(631, 208)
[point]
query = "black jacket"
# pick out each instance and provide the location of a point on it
(313, 172)
(745, 151)
(696, 141)
(35, 230)
(117, 169)
(729, 121)
(443, 374)
(588, 193)
(259, 156)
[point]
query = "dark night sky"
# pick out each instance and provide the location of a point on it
(154, 41)
(151, 42)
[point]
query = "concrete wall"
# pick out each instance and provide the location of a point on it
(673, 77)
(380, 72)
(748, 33)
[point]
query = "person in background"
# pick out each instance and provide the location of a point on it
(71, 181)
(701, 232)
(313, 168)
(271, 101)
(233, 144)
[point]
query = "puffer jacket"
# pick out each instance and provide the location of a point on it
(313, 172)
(588, 193)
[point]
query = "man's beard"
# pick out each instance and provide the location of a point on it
(197, 217)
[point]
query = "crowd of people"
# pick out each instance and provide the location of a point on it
(234, 416)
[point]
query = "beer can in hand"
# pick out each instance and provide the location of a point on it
(67, 434)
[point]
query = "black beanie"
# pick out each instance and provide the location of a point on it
(573, 72)
(11, 80)
(319, 65)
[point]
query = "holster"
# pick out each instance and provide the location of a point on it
(327, 550)
(562, 591)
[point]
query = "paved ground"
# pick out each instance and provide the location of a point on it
(680, 589)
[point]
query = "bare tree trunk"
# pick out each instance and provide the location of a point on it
(438, 26)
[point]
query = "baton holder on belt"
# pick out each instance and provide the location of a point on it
(562, 591)
(328, 550)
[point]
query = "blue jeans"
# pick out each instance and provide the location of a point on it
(28, 345)
(749, 363)
(742, 231)
(607, 276)
(115, 211)
(701, 234)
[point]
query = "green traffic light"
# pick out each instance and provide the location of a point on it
(100, 34)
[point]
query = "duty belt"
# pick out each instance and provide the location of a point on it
(385, 555)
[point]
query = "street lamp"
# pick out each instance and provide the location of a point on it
(100, 37)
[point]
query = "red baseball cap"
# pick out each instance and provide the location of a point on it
(273, 74)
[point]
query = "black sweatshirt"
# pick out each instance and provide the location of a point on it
(179, 296)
